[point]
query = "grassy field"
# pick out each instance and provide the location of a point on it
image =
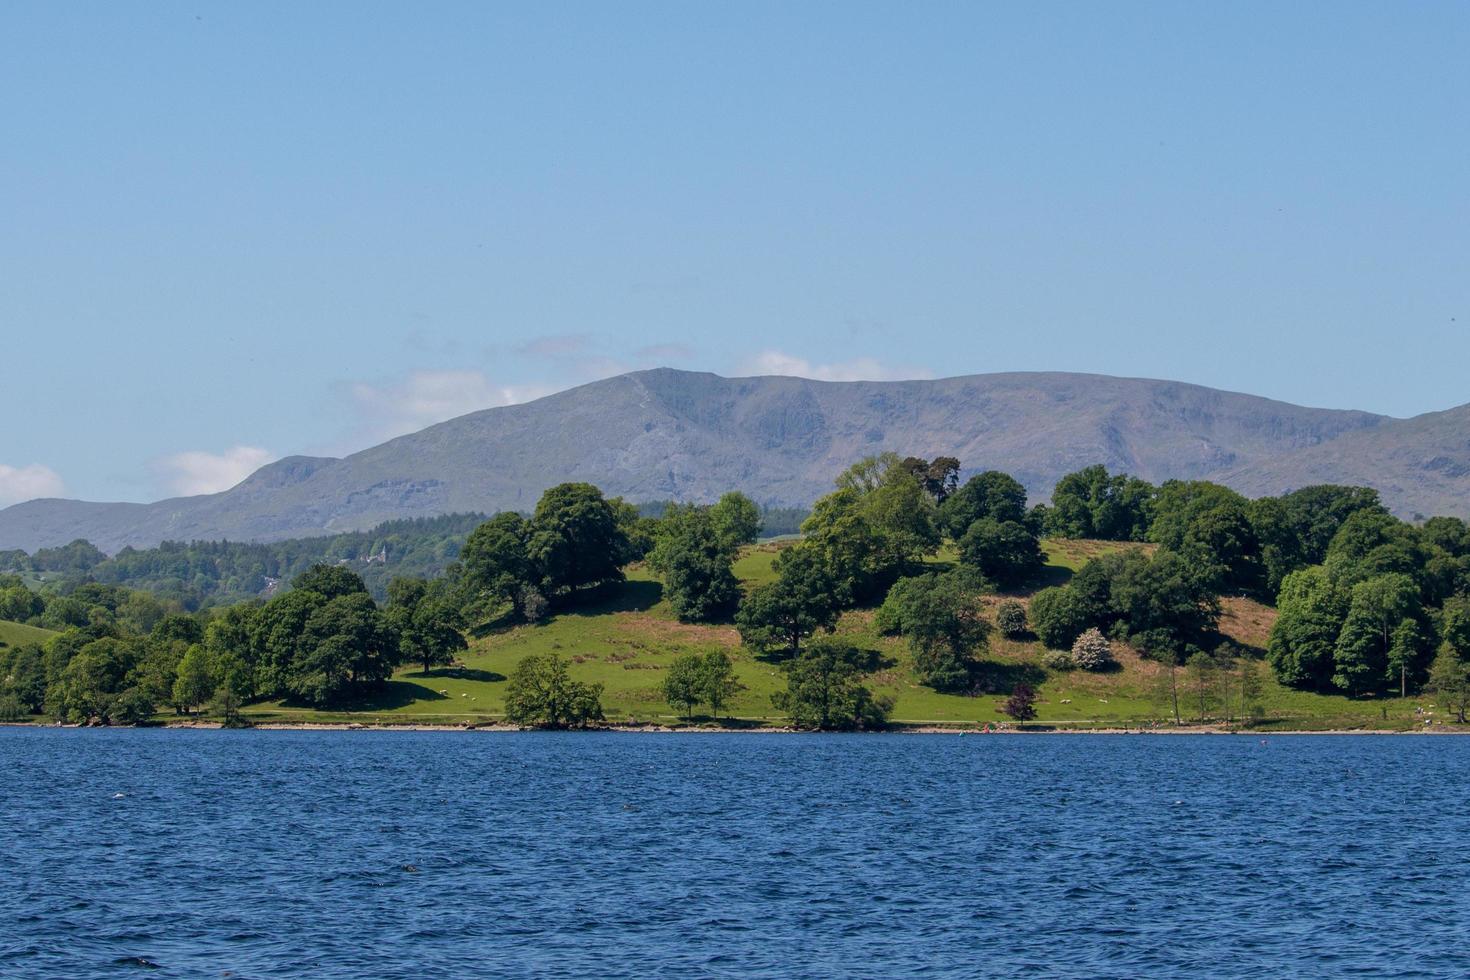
(14, 634)
(627, 641)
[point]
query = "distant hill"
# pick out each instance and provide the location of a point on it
(673, 434)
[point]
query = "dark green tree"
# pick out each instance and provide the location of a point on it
(683, 684)
(1378, 609)
(496, 561)
(329, 581)
(824, 689)
(1303, 641)
(940, 618)
(1005, 552)
(990, 495)
(717, 681)
(736, 519)
(576, 539)
(427, 621)
(695, 561)
(542, 694)
(782, 614)
(344, 648)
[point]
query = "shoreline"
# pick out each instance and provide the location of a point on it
(646, 729)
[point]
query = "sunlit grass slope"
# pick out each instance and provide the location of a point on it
(14, 634)
(627, 641)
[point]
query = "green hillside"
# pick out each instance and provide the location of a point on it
(627, 642)
(14, 634)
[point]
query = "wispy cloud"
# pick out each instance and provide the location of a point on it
(20, 483)
(421, 398)
(857, 369)
(664, 354)
(196, 471)
(556, 345)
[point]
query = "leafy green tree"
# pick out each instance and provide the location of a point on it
(824, 689)
(1449, 679)
(1093, 504)
(19, 604)
(1163, 597)
(576, 540)
(1379, 606)
(329, 581)
(132, 706)
(877, 525)
(496, 560)
(1311, 610)
(91, 680)
(1003, 551)
(226, 704)
(1057, 618)
(990, 495)
(1450, 534)
(938, 477)
(427, 622)
(196, 680)
(683, 684)
(274, 634)
(1222, 541)
(1371, 544)
(228, 635)
(345, 646)
(717, 681)
(695, 561)
(736, 519)
(542, 694)
(783, 613)
(1455, 625)
(23, 676)
(939, 617)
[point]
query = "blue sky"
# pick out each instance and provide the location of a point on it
(231, 232)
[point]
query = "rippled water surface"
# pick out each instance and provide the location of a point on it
(435, 854)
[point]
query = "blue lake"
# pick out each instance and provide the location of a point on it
(402, 854)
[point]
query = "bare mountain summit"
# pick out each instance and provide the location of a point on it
(674, 434)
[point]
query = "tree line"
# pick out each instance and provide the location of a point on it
(1368, 603)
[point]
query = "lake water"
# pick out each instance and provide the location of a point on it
(402, 854)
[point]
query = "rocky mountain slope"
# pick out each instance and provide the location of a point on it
(664, 433)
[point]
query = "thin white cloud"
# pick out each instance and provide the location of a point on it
(556, 345)
(664, 354)
(421, 398)
(21, 483)
(190, 473)
(857, 369)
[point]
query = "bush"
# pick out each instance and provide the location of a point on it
(1057, 617)
(1021, 705)
(1092, 651)
(1058, 660)
(1010, 616)
(11, 709)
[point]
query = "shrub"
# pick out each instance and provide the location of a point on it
(11, 709)
(1092, 651)
(1058, 660)
(1057, 617)
(1021, 705)
(1010, 616)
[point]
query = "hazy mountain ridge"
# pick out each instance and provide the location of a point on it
(673, 434)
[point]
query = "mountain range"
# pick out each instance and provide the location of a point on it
(667, 434)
